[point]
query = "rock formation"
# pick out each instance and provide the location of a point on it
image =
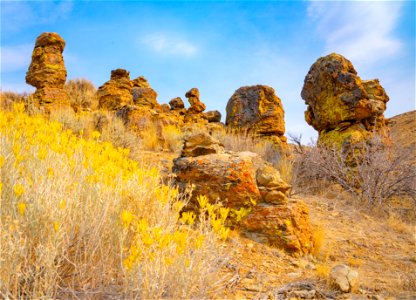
(244, 180)
(116, 93)
(47, 72)
(342, 107)
(197, 106)
(213, 116)
(194, 114)
(258, 110)
(344, 278)
(143, 94)
(176, 104)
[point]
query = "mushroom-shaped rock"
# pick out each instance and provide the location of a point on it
(116, 93)
(338, 99)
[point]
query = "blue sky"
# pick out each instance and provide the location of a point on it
(218, 46)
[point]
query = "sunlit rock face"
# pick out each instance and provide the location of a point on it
(342, 107)
(47, 72)
(258, 110)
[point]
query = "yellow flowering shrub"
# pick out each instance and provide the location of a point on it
(78, 217)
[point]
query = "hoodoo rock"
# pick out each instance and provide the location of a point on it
(342, 107)
(47, 71)
(143, 94)
(243, 180)
(116, 93)
(196, 105)
(258, 110)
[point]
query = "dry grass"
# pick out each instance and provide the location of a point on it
(82, 94)
(373, 172)
(242, 141)
(173, 138)
(80, 220)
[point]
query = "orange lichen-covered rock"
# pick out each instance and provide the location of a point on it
(143, 94)
(258, 110)
(283, 226)
(47, 68)
(47, 72)
(116, 93)
(226, 177)
(244, 180)
(176, 104)
(196, 105)
(337, 99)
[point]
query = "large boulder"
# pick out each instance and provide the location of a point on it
(244, 181)
(338, 100)
(143, 94)
(47, 72)
(116, 93)
(229, 178)
(258, 110)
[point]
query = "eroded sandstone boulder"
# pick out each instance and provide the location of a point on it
(258, 110)
(143, 94)
(213, 116)
(244, 180)
(176, 104)
(201, 144)
(116, 93)
(341, 106)
(47, 72)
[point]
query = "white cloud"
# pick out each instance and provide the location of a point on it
(164, 44)
(362, 31)
(15, 58)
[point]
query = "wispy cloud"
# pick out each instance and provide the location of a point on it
(363, 31)
(164, 44)
(15, 58)
(17, 15)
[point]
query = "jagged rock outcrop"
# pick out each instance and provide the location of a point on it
(116, 93)
(258, 110)
(47, 72)
(143, 94)
(244, 180)
(342, 107)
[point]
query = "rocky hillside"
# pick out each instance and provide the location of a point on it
(403, 129)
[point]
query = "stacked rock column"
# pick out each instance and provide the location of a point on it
(47, 73)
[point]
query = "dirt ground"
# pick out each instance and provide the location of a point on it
(381, 249)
